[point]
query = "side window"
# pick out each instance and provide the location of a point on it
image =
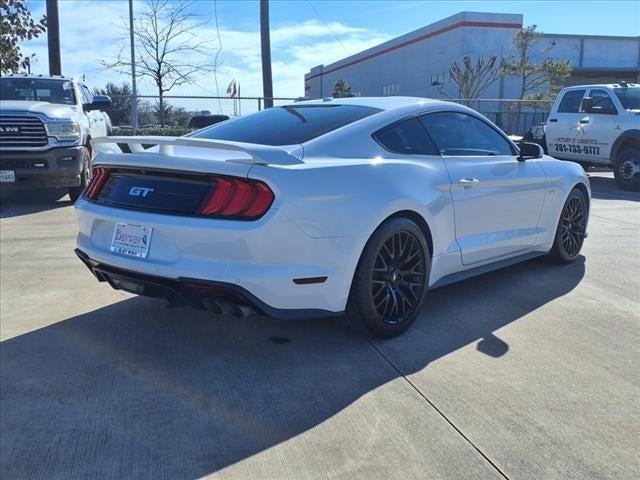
(570, 103)
(407, 137)
(602, 101)
(87, 97)
(461, 134)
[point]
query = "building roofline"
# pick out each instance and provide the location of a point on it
(596, 37)
(415, 36)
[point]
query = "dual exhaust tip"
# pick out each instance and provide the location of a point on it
(221, 306)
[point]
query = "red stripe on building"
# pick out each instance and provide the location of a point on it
(416, 40)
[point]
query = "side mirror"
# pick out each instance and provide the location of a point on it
(529, 150)
(100, 102)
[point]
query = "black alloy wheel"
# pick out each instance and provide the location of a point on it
(398, 277)
(574, 216)
(572, 228)
(391, 279)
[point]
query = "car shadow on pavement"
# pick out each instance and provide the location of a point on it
(132, 390)
(14, 203)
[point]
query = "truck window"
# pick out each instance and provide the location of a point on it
(570, 103)
(602, 101)
(37, 90)
(629, 97)
(87, 96)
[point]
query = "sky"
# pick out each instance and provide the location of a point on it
(304, 33)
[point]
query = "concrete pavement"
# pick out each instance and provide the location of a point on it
(529, 372)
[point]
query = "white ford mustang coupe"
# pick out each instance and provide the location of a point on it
(351, 207)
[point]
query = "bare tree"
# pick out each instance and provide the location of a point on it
(471, 78)
(167, 50)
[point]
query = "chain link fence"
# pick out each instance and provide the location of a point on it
(515, 117)
(177, 115)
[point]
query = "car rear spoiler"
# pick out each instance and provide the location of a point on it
(260, 154)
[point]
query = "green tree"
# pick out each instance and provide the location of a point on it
(16, 25)
(342, 90)
(540, 77)
(172, 115)
(120, 110)
(120, 94)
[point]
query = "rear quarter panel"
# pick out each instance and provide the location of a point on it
(332, 197)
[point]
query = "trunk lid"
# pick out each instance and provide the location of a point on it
(176, 175)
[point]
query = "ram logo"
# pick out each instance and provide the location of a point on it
(140, 191)
(7, 129)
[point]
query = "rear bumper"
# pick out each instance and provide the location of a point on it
(56, 167)
(219, 297)
(269, 260)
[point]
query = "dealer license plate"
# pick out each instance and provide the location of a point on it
(132, 240)
(7, 176)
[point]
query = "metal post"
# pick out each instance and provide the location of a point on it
(53, 38)
(265, 47)
(134, 91)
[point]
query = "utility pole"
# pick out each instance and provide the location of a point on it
(134, 91)
(53, 38)
(265, 47)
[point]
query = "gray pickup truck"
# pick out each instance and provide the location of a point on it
(46, 124)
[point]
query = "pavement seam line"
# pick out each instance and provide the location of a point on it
(615, 220)
(467, 439)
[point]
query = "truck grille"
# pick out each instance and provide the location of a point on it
(17, 131)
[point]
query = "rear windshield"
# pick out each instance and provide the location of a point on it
(37, 90)
(287, 125)
(629, 97)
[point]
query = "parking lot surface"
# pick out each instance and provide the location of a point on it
(530, 372)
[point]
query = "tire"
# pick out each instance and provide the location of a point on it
(85, 176)
(626, 169)
(385, 300)
(571, 228)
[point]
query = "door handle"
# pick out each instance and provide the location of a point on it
(553, 120)
(584, 121)
(468, 180)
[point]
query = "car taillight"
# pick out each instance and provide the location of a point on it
(99, 176)
(239, 198)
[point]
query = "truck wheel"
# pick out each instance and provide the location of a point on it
(627, 169)
(85, 176)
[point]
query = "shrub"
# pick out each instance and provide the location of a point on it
(153, 131)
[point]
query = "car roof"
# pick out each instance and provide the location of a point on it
(603, 85)
(383, 103)
(36, 77)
